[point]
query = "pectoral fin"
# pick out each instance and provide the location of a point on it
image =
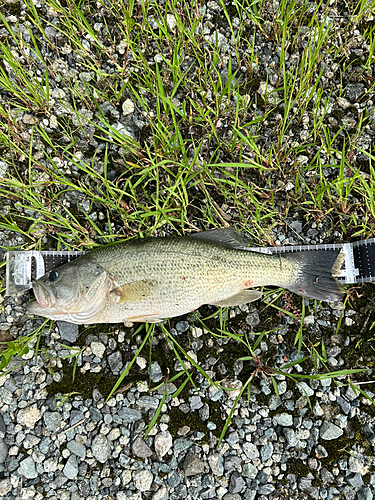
(134, 291)
(240, 298)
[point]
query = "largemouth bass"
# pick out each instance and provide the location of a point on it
(151, 279)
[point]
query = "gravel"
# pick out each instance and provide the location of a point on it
(313, 439)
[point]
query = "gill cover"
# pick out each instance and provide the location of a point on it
(76, 290)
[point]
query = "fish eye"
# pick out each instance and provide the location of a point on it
(53, 275)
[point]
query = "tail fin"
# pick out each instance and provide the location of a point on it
(316, 276)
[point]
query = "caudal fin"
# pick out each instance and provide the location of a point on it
(316, 273)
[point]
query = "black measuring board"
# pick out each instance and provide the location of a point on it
(364, 260)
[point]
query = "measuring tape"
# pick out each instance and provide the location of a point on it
(24, 267)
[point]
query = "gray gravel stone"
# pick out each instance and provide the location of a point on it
(216, 462)
(173, 479)
(329, 431)
(182, 444)
(267, 489)
(5, 487)
(236, 483)
(249, 470)
(156, 373)
(115, 362)
(29, 416)
(365, 494)
(204, 414)
(321, 452)
(71, 467)
(250, 494)
(3, 427)
(356, 481)
(344, 405)
(52, 420)
(266, 452)
(195, 402)
(354, 464)
(192, 464)
(130, 415)
(354, 91)
(100, 448)
(297, 226)
(77, 448)
(290, 436)
(253, 318)
(148, 402)
(182, 327)
(68, 331)
(305, 389)
(284, 419)
(95, 414)
(76, 416)
(27, 468)
(140, 448)
(3, 451)
(251, 450)
(348, 492)
(274, 402)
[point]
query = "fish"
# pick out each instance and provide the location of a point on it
(152, 279)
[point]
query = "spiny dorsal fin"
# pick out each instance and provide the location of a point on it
(224, 236)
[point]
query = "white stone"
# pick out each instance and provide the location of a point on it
(171, 21)
(5, 487)
(98, 349)
(309, 320)
(349, 321)
(141, 362)
(114, 434)
(163, 443)
(234, 388)
(128, 107)
(142, 386)
(143, 480)
(28, 416)
(160, 494)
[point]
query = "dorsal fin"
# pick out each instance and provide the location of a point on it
(224, 236)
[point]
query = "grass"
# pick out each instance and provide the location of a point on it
(221, 134)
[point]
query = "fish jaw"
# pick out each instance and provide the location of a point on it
(79, 309)
(45, 296)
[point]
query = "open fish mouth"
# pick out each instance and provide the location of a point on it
(45, 296)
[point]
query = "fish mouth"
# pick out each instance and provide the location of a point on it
(45, 295)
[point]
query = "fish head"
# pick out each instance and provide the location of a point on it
(74, 292)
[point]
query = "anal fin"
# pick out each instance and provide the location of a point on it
(145, 318)
(239, 298)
